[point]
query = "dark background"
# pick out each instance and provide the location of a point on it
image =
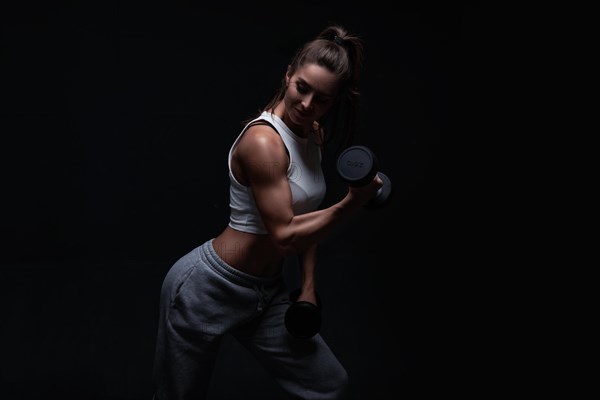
(116, 122)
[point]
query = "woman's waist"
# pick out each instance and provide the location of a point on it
(253, 254)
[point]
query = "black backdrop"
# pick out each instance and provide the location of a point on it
(116, 122)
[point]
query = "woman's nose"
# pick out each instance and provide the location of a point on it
(307, 102)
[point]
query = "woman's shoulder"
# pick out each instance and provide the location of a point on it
(261, 138)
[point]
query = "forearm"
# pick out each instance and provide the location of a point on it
(308, 262)
(308, 283)
(304, 230)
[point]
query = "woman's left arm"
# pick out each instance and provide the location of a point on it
(308, 262)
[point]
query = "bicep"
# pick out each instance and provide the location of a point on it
(265, 161)
(273, 200)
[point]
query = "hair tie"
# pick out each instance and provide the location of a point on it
(339, 41)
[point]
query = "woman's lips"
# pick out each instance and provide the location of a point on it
(302, 114)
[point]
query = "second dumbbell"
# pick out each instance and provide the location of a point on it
(302, 318)
(357, 166)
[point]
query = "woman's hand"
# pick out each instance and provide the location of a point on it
(309, 295)
(362, 194)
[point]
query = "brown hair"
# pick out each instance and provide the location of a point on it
(341, 53)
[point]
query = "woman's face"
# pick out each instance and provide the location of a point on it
(311, 92)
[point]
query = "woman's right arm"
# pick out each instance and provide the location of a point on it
(264, 160)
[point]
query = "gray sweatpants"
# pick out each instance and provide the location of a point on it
(203, 298)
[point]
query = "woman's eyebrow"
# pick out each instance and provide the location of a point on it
(302, 81)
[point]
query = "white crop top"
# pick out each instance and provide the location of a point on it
(304, 175)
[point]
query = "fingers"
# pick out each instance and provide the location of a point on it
(378, 180)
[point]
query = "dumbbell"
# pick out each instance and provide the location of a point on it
(357, 166)
(303, 318)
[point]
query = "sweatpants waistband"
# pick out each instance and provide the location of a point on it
(207, 252)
